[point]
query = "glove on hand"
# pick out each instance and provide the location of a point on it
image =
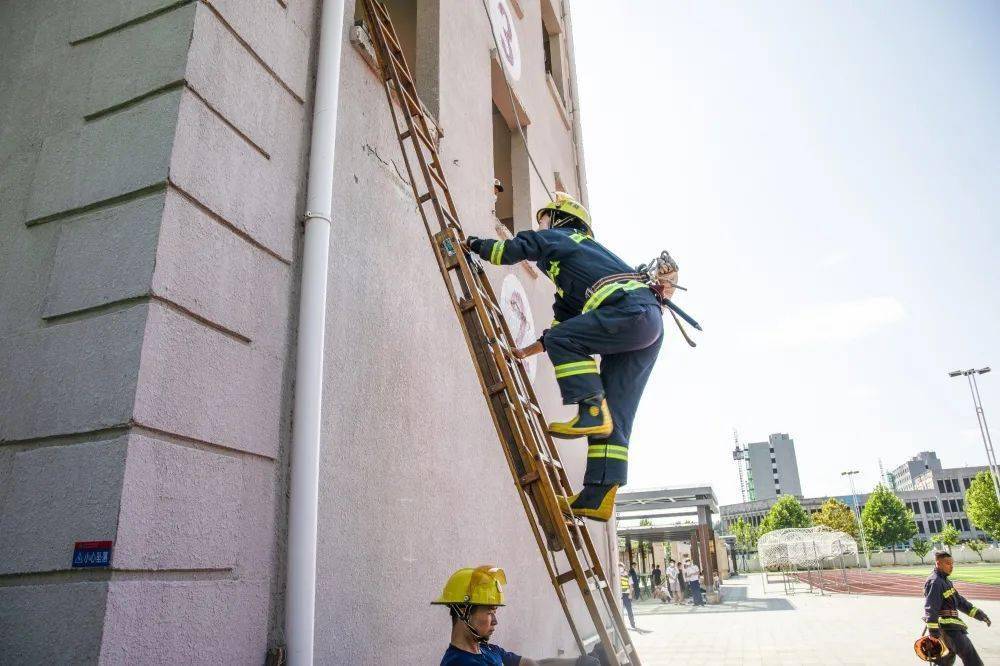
(474, 242)
(934, 633)
(983, 617)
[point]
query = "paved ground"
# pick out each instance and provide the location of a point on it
(758, 627)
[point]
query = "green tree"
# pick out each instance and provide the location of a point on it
(786, 512)
(977, 546)
(887, 521)
(982, 506)
(837, 516)
(920, 548)
(745, 533)
(947, 537)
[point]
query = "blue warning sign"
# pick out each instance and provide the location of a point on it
(92, 554)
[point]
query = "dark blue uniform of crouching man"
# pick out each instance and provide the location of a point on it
(600, 308)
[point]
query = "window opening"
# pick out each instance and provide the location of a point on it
(502, 170)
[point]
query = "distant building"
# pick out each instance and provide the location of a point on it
(772, 470)
(935, 495)
(916, 473)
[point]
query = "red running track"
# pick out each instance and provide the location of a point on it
(899, 585)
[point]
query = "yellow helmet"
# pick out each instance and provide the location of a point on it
(479, 587)
(564, 203)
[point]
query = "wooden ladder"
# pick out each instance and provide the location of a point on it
(539, 476)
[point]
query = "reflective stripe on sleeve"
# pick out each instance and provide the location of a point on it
(496, 254)
(948, 593)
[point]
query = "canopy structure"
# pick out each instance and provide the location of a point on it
(803, 547)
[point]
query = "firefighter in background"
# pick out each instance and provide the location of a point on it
(599, 308)
(942, 604)
(472, 596)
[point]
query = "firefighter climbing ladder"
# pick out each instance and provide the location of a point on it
(533, 459)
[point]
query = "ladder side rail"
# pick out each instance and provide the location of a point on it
(406, 160)
(503, 361)
(554, 511)
(385, 23)
(547, 445)
(591, 556)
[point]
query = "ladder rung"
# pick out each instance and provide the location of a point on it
(423, 138)
(425, 197)
(438, 177)
(567, 576)
(466, 304)
(451, 218)
(496, 388)
(410, 102)
(541, 457)
(529, 478)
(530, 405)
(386, 25)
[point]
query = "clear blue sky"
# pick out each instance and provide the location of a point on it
(828, 177)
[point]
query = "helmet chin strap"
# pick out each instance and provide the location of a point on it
(463, 611)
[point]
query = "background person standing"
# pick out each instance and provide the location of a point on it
(691, 575)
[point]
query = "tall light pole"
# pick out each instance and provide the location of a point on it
(984, 430)
(861, 526)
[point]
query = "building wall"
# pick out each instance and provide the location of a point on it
(152, 165)
(917, 473)
(152, 155)
(773, 466)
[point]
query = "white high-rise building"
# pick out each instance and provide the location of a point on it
(772, 469)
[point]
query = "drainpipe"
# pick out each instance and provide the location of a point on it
(300, 583)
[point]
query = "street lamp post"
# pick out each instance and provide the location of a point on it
(984, 430)
(861, 526)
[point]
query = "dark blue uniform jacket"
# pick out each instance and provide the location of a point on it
(942, 602)
(573, 261)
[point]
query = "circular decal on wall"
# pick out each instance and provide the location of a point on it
(517, 311)
(503, 28)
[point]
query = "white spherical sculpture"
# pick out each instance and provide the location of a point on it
(803, 547)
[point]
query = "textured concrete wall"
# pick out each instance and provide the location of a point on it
(151, 158)
(152, 164)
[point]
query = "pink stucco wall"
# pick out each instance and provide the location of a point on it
(150, 254)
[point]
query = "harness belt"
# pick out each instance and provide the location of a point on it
(600, 290)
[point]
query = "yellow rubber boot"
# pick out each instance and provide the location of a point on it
(593, 418)
(594, 502)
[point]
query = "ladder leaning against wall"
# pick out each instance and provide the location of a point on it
(565, 544)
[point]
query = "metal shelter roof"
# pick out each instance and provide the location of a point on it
(667, 502)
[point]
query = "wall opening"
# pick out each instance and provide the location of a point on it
(502, 170)
(553, 48)
(417, 24)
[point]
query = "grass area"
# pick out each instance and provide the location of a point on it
(969, 573)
